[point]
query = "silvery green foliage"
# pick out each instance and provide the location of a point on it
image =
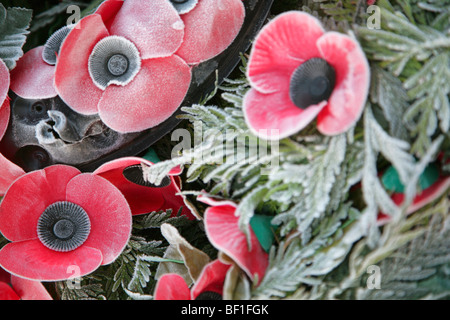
(418, 55)
(14, 23)
(418, 270)
(326, 191)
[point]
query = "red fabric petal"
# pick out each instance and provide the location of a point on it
(420, 200)
(5, 111)
(108, 211)
(274, 116)
(108, 10)
(152, 97)
(141, 199)
(280, 48)
(33, 261)
(212, 278)
(72, 79)
(28, 197)
(153, 26)
(352, 83)
(222, 230)
(29, 290)
(10, 172)
(5, 81)
(33, 78)
(210, 28)
(7, 293)
(171, 287)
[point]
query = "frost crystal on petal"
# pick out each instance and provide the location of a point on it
(114, 60)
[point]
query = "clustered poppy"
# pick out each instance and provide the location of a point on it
(209, 285)
(299, 72)
(128, 175)
(129, 62)
(57, 218)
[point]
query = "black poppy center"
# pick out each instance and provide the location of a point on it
(63, 229)
(63, 226)
(118, 65)
(179, 1)
(135, 174)
(312, 82)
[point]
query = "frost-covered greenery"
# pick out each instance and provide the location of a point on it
(324, 193)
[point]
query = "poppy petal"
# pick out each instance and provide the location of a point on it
(29, 290)
(72, 79)
(274, 116)
(211, 279)
(153, 26)
(10, 172)
(33, 261)
(29, 196)
(210, 28)
(223, 231)
(141, 199)
(4, 117)
(347, 101)
(108, 10)
(172, 286)
(280, 48)
(7, 293)
(108, 210)
(152, 97)
(32, 78)
(5, 83)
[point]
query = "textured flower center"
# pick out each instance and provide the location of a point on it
(135, 174)
(311, 83)
(63, 226)
(114, 60)
(118, 65)
(53, 44)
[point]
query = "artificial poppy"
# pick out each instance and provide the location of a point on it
(15, 288)
(209, 285)
(128, 175)
(299, 72)
(58, 219)
(222, 230)
(119, 62)
(210, 27)
(433, 184)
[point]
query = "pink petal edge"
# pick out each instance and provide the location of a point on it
(282, 46)
(33, 78)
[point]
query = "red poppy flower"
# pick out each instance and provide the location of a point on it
(58, 218)
(15, 288)
(144, 197)
(299, 72)
(210, 27)
(209, 285)
(119, 62)
(223, 232)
